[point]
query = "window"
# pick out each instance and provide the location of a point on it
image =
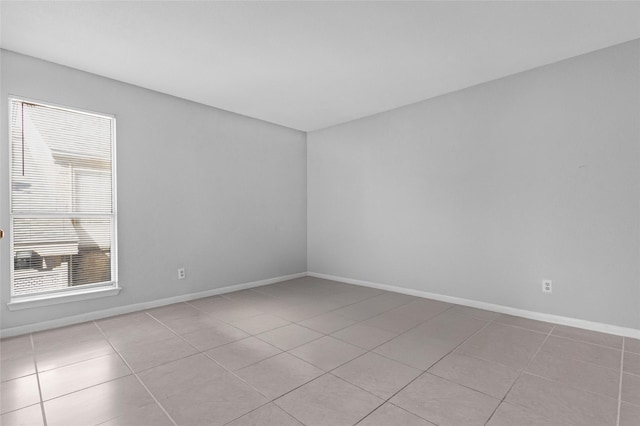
(63, 217)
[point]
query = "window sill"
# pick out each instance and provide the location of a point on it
(66, 297)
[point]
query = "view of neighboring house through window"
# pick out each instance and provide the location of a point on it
(62, 199)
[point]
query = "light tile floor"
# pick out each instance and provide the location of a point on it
(317, 352)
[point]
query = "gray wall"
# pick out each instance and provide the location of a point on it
(221, 194)
(483, 193)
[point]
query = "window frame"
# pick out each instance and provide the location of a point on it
(69, 294)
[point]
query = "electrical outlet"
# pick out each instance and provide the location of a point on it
(182, 273)
(546, 286)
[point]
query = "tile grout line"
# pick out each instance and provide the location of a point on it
(547, 379)
(553, 380)
(135, 375)
(383, 356)
(35, 365)
(329, 372)
(411, 329)
(620, 382)
(521, 373)
(273, 401)
(198, 352)
(388, 400)
(203, 352)
(255, 336)
(297, 322)
(324, 373)
(322, 334)
(283, 351)
(205, 312)
(589, 343)
(276, 298)
(493, 320)
(352, 304)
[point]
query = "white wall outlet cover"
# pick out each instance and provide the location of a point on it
(182, 274)
(546, 286)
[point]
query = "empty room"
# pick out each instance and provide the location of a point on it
(327, 213)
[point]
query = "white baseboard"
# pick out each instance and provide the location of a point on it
(91, 316)
(556, 319)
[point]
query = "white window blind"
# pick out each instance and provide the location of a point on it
(62, 199)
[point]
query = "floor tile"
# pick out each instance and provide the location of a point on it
(428, 343)
(210, 338)
(274, 290)
(512, 415)
(210, 303)
(364, 336)
(484, 376)
(133, 329)
(389, 414)
(583, 375)
(588, 336)
(373, 306)
(423, 309)
(248, 296)
(147, 415)
(73, 352)
(74, 377)
(327, 323)
(16, 356)
(473, 357)
(65, 336)
(415, 351)
(29, 416)
(596, 354)
(242, 353)
(191, 321)
(298, 312)
(19, 393)
(147, 355)
(13, 347)
(20, 366)
(212, 402)
(631, 363)
(511, 346)
(267, 415)
(394, 320)
(449, 327)
(178, 376)
(629, 414)
(632, 345)
(474, 312)
(260, 323)
(363, 293)
(124, 321)
(235, 311)
(445, 403)
(562, 403)
(327, 352)
(542, 327)
(279, 374)
(328, 400)
(176, 310)
(98, 404)
(376, 374)
(289, 337)
(630, 388)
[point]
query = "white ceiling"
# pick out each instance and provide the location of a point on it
(309, 65)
